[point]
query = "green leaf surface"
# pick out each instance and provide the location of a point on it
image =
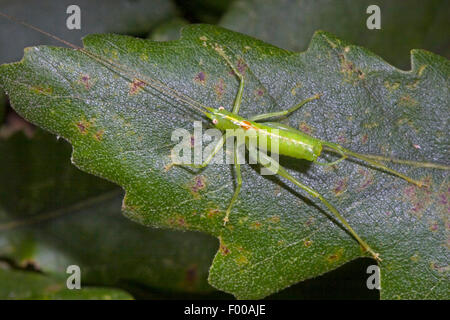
(55, 215)
(276, 236)
(404, 24)
(23, 285)
(169, 30)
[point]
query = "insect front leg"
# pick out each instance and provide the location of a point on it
(272, 163)
(337, 148)
(238, 99)
(266, 116)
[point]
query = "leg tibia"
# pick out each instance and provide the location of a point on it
(208, 159)
(369, 160)
(282, 172)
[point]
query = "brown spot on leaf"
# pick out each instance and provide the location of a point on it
(361, 75)
(368, 179)
(274, 219)
(241, 260)
(200, 78)
(335, 256)
(364, 139)
(241, 66)
(259, 92)
(99, 135)
(85, 80)
(391, 86)
(305, 128)
(350, 71)
(407, 101)
(443, 199)
(410, 191)
(83, 126)
(223, 248)
(341, 138)
(213, 213)
(41, 90)
(307, 243)
(177, 221)
(309, 222)
(198, 183)
(136, 86)
(434, 226)
(340, 187)
(219, 88)
(256, 225)
(419, 198)
(181, 222)
(371, 125)
(439, 268)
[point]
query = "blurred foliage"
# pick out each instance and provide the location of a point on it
(117, 16)
(17, 284)
(54, 215)
(169, 30)
(290, 24)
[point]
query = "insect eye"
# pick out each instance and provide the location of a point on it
(215, 121)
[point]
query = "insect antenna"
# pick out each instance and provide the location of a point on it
(153, 83)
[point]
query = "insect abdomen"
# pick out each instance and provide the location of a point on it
(291, 142)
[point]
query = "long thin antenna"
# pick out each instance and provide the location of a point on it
(153, 83)
(39, 30)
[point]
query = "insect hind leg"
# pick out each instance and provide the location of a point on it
(266, 116)
(341, 150)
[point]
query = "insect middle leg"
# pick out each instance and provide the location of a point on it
(238, 99)
(265, 116)
(237, 168)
